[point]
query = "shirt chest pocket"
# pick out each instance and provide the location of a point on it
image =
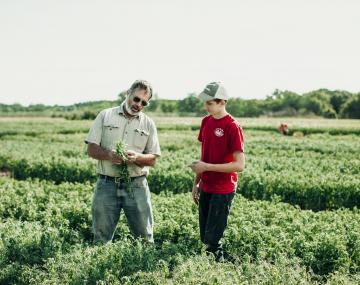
(111, 134)
(140, 138)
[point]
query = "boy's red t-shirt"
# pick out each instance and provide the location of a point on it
(219, 138)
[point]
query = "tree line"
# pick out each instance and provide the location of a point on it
(322, 102)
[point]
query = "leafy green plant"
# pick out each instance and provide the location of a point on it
(123, 169)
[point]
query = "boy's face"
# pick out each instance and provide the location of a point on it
(212, 107)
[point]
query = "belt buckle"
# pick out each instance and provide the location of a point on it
(117, 180)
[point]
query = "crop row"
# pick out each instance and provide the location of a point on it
(38, 126)
(317, 191)
(317, 172)
(45, 234)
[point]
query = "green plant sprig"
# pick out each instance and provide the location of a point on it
(123, 170)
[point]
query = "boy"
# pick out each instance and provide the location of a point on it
(222, 156)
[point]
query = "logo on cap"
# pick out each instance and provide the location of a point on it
(211, 89)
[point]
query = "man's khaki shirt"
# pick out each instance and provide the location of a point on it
(138, 134)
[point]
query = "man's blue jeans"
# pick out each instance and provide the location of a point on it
(108, 201)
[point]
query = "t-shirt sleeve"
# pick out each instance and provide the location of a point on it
(152, 145)
(95, 132)
(200, 138)
(236, 138)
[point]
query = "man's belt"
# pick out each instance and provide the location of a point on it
(116, 179)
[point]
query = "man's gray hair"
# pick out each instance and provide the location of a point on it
(141, 85)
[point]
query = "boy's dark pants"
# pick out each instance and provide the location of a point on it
(214, 210)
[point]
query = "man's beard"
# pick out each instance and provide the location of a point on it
(129, 110)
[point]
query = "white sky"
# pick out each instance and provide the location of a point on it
(69, 51)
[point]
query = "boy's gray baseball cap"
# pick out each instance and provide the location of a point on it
(214, 90)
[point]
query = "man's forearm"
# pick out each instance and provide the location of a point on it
(97, 152)
(145, 160)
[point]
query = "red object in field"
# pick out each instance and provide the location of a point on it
(283, 129)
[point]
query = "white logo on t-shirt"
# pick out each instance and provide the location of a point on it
(219, 132)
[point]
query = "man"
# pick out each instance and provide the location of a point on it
(222, 156)
(126, 123)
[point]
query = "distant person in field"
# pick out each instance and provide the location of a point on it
(126, 123)
(222, 156)
(283, 129)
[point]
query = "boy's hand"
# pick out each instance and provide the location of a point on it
(195, 194)
(198, 166)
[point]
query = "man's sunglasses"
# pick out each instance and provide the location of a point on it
(143, 102)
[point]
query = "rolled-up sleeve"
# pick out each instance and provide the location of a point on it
(152, 145)
(95, 132)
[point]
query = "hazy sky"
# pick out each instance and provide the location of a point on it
(69, 51)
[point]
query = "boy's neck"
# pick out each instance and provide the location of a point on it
(221, 114)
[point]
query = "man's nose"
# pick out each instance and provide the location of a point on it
(138, 104)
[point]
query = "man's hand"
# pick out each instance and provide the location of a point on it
(195, 194)
(132, 156)
(198, 166)
(115, 158)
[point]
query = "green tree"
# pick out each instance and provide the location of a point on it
(318, 102)
(282, 100)
(338, 98)
(37, 107)
(88, 115)
(235, 107)
(245, 108)
(154, 103)
(351, 108)
(121, 97)
(253, 108)
(190, 104)
(168, 106)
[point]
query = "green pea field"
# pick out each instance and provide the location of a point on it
(295, 218)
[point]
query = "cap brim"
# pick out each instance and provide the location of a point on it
(204, 97)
